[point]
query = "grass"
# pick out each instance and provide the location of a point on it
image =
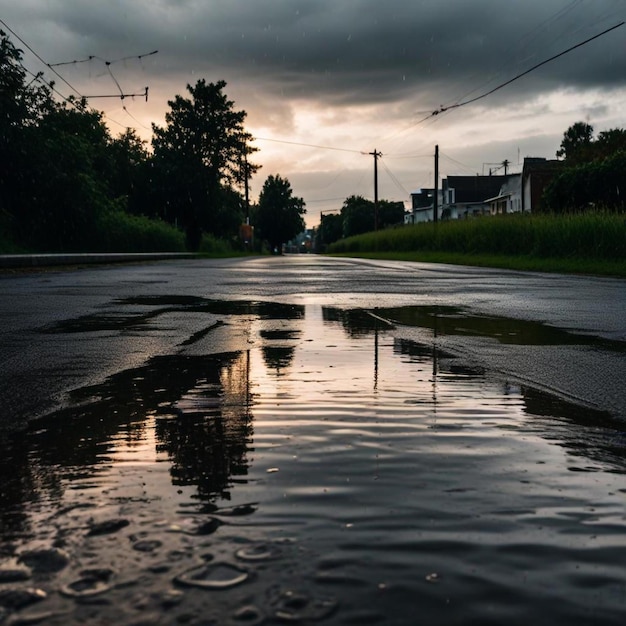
(591, 243)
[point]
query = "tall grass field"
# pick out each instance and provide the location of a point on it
(587, 242)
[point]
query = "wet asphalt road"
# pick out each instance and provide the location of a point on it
(62, 330)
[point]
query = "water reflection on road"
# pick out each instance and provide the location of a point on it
(333, 471)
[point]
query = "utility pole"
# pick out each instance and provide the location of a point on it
(505, 164)
(245, 175)
(376, 154)
(436, 193)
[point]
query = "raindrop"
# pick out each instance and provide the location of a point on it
(147, 545)
(249, 615)
(107, 527)
(91, 583)
(258, 552)
(299, 607)
(212, 576)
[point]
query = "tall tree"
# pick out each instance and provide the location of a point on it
(70, 171)
(358, 216)
(128, 153)
(197, 155)
(21, 106)
(576, 141)
(279, 213)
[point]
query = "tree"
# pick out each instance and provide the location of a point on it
(330, 229)
(595, 174)
(70, 172)
(279, 213)
(576, 141)
(127, 153)
(390, 213)
(609, 142)
(197, 156)
(358, 216)
(21, 107)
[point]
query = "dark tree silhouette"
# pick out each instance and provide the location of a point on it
(279, 213)
(576, 140)
(197, 156)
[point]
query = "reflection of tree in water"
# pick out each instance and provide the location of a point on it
(207, 438)
(18, 481)
(278, 349)
(277, 358)
(75, 443)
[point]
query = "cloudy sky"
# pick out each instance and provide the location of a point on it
(326, 82)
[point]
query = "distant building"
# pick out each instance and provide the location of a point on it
(461, 197)
(537, 173)
(422, 206)
(468, 196)
(509, 198)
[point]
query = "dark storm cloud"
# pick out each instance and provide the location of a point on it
(366, 51)
(352, 51)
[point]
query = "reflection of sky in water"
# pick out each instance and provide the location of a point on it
(373, 469)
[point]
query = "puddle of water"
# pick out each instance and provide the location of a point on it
(443, 320)
(332, 473)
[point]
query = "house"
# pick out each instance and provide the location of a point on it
(509, 198)
(422, 206)
(537, 173)
(467, 196)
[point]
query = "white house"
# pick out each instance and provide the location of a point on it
(509, 199)
(422, 206)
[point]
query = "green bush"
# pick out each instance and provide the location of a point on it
(211, 245)
(117, 231)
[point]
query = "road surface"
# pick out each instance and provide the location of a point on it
(63, 330)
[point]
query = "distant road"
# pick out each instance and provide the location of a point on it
(48, 347)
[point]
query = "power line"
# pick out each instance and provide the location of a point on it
(38, 57)
(526, 40)
(408, 156)
(463, 165)
(91, 57)
(325, 200)
(528, 71)
(121, 95)
(391, 175)
(310, 145)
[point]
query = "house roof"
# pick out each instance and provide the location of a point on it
(475, 188)
(539, 164)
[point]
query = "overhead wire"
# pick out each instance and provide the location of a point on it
(395, 180)
(518, 76)
(526, 40)
(93, 56)
(310, 145)
(39, 58)
(431, 117)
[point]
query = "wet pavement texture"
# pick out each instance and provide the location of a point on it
(311, 440)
